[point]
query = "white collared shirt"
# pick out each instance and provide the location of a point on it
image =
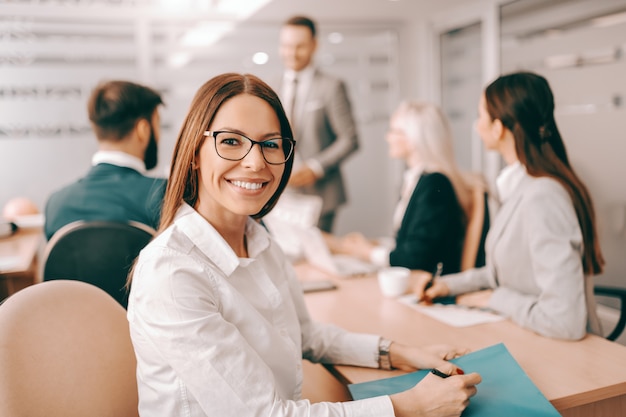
(305, 80)
(119, 158)
(508, 179)
(218, 335)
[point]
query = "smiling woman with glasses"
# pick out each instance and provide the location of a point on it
(235, 146)
(216, 313)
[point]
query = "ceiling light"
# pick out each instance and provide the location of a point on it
(609, 20)
(335, 37)
(260, 58)
(206, 34)
(241, 8)
(179, 59)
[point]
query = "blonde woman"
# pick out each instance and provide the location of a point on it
(431, 216)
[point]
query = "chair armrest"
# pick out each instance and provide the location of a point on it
(614, 292)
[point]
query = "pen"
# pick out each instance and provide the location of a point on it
(438, 373)
(436, 275)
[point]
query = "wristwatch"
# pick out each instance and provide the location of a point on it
(384, 362)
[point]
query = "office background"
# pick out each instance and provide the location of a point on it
(52, 53)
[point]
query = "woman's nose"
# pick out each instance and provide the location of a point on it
(254, 159)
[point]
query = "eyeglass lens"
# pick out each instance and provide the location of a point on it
(235, 147)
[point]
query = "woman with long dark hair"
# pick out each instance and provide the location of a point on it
(542, 249)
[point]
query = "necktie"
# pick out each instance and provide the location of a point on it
(292, 102)
(291, 113)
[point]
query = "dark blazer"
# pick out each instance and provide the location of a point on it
(432, 229)
(108, 192)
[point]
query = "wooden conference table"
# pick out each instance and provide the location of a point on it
(18, 260)
(582, 378)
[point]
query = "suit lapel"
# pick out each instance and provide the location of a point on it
(308, 95)
(304, 126)
(503, 217)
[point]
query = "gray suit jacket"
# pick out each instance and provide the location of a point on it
(534, 263)
(325, 130)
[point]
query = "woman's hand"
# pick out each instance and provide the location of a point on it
(475, 299)
(409, 358)
(355, 244)
(434, 396)
(437, 289)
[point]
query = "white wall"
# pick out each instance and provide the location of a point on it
(49, 66)
(47, 72)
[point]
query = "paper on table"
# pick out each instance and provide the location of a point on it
(9, 262)
(30, 221)
(452, 314)
(505, 390)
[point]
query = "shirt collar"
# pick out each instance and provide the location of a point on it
(303, 75)
(208, 240)
(509, 178)
(412, 174)
(119, 158)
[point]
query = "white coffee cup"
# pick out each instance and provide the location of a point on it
(394, 280)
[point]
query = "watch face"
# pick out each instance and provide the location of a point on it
(384, 345)
(384, 361)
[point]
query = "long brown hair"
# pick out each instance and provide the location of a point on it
(524, 103)
(183, 181)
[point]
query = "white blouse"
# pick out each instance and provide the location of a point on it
(218, 335)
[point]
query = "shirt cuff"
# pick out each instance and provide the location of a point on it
(379, 256)
(316, 167)
(370, 407)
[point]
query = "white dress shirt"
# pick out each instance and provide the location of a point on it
(305, 80)
(219, 335)
(119, 158)
(508, 180)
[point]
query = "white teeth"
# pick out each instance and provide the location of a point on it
(248, 185)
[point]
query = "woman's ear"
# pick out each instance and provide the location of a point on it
(497, 129)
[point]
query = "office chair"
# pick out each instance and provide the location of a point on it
(619, 293)
(97, 252)
(65, 351)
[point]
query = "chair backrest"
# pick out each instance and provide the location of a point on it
(65, 351)
(97, 252)
(476, 231)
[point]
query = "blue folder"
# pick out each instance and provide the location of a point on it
(505, 390)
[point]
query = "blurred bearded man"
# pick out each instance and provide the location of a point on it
(126, 121)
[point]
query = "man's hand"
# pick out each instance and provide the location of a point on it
(302, 177)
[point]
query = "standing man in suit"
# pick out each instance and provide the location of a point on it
(321, 118)
(125, 119)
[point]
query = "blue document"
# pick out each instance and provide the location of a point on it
(505, 389)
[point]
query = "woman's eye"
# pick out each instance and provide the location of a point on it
(231, 142)
(271, 144)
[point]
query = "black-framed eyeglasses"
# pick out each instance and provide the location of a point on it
(235, 146)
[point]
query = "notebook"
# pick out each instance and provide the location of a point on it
(292, 211)
(317, 253)
(292, 223)
(505, 389)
